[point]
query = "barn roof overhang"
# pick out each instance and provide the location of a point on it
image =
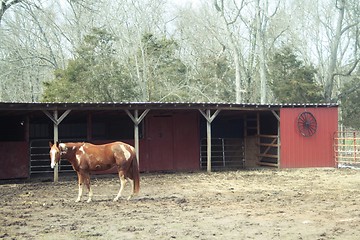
(94, 106)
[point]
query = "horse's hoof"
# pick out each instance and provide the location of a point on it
(115, 199)
(89, 200)
(77, 200)
(130, 197)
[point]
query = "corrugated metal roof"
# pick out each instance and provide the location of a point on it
(153, 105)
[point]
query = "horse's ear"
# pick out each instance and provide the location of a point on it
(57, 144)
(50, 144)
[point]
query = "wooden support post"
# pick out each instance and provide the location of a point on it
(354, 142)
(258, 123)
(209, 118)
(136, 134)
(278, 137)
(89, 127)
(54, 118)
(56, 139)
(208, 134)
(27, 129)
(137, 120)
(279, 145)
(258, 135)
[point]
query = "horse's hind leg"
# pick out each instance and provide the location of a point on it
(87, 183)
(132, 187)
(122, 185)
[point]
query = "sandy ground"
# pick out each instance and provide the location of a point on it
(256, 204)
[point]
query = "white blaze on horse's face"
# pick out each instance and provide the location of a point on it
(54, 156)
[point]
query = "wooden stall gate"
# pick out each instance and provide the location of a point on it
(347, 148)
(269, 150)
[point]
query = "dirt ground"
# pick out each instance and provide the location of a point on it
(247, 204)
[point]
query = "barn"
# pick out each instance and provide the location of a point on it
(171, 136)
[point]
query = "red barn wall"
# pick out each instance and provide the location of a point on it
(170, 143)
(298, 151)
(14, 159)
(187, 141)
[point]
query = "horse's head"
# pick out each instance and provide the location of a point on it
(54, 153)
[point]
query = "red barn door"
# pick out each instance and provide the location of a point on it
(160, 137)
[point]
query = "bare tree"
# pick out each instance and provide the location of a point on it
(219, 6)
(262, 18)
(203, 48)
(31, 50)
(335, 42)
(326, 35)
(236, 36)
(5, 5)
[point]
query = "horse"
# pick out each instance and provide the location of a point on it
(86, 158)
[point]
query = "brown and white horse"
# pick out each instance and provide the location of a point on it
(86, 157)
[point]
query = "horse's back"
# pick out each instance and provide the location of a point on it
(107, 145)
(111, 150)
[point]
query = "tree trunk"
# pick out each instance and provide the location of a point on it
(238, 84)
(261, 51)
(236, 52)
(329, 77)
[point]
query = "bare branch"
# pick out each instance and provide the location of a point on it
(5, 5)
(348, 91)
(349, 72)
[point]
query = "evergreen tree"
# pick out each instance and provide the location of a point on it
(291, 80)
(95, 74)
(350, 99)
(215, 79)
(165, 73)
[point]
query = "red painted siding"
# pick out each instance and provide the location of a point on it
(187, 141)
(161, 143)
(14, 160)
(298, 151)
(172, 142)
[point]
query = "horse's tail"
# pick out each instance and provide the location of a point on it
(135, 175)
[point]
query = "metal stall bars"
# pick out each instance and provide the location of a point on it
(226, 153)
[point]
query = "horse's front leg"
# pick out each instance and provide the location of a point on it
(80, 183)
(84, 178)
(122, 185)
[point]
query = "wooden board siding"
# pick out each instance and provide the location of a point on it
(14, 160)
(298, 151)
(161, 143)
(187, 141)
(172, 142)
